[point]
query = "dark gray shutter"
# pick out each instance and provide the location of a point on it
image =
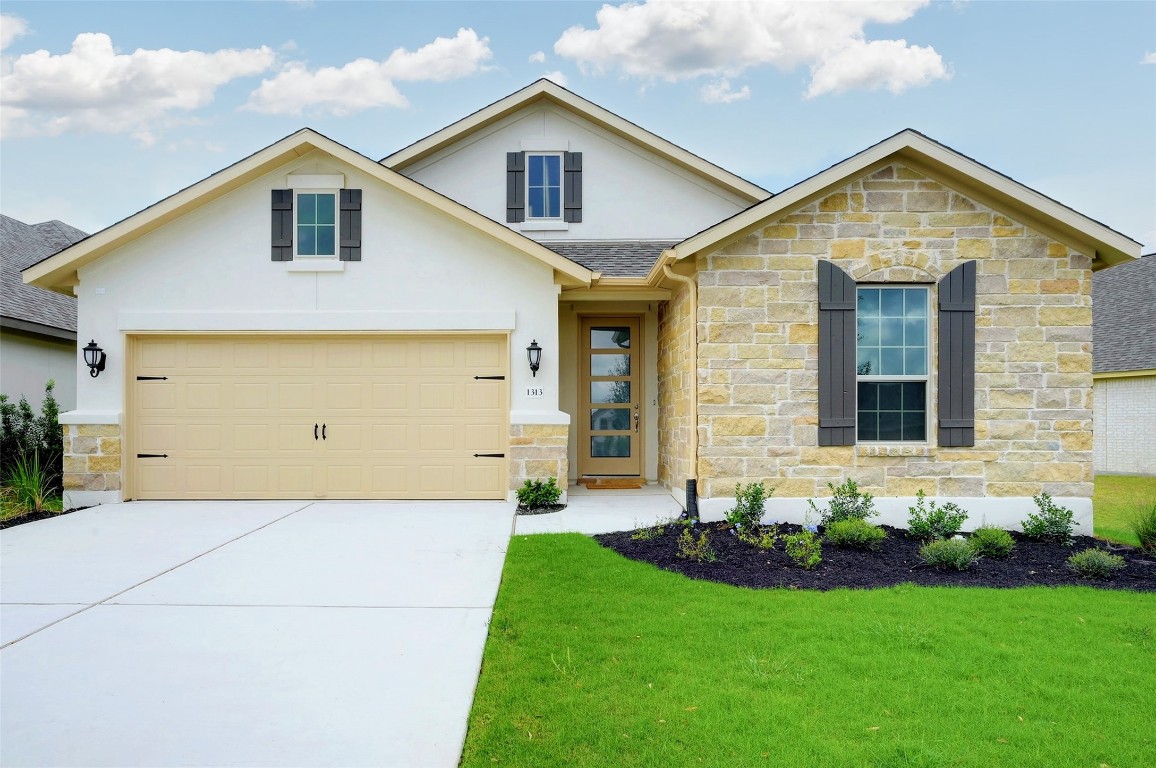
(837, 351)
(350, 226)
(572, 186)
(957, 357)
(515, 186)
(282, 225)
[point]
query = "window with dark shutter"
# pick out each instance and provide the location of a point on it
(350, 224)
(515, 187)
(957, 357)
(282, 225)
(836, 356)
(573, 186)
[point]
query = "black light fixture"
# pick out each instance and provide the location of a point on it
(534, 353)
(94, 358)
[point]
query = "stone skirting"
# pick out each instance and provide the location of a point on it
(537, 452)
(92, 457)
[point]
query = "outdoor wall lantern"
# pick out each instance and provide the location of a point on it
(534, 353)
(94, 358)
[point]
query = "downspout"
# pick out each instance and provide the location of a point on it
(692, 481)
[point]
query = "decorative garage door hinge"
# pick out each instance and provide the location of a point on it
(152, 455)
(152, 378)
(489, 455)
(492, 378)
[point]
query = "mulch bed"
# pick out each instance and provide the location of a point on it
(897, 561)
(545, 510)
(32, 517)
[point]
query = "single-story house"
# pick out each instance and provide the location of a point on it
(544, 288)
(1124, 368)
(37, 327)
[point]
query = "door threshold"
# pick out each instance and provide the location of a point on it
(612, 482)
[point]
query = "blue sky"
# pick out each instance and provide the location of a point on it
(108, 107)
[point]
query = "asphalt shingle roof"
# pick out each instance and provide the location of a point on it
(613, 258)
(22, 245)
(1124, 317)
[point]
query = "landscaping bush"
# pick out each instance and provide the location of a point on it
(1053, 521)
(936, 522)
(805, 548)
(31, 438)
(747, 513)
(535, 494)
(989, 541)
(847, 502)
(763, 538)
(1095, 563)
(1143, 524)
(948, 553)
(29, 485)
(855, 534)
(696, 550)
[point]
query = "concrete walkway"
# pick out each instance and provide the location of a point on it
(246, 633)
(603, 511)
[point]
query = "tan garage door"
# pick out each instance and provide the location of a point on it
(386, 417)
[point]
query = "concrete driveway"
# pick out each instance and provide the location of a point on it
(246, 633)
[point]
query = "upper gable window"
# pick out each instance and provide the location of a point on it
(317, 217)
(544, 186)
(316, 224)
(891, 342)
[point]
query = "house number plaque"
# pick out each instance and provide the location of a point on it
(536, 392)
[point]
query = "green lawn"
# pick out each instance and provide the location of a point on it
(1115, 504)
(595, 660)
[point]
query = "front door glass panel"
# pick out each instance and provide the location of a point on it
(612, 396)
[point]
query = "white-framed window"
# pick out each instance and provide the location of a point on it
(892, 362)
(316, 222)
(543, 185)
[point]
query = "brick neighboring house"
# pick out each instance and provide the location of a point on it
(37, 327)
(1124, 368)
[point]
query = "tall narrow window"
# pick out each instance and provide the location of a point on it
(892, 354)
(544, 186)
(316, 224)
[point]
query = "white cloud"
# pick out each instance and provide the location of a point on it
(94, 88)
(677, 40)
(366, 83)
(1149, 58)
(537, 57)
(11, 27)
(556, 77)
(719, 92)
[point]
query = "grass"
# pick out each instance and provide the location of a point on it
(1116, 501)
(595, 660)
(11, 508)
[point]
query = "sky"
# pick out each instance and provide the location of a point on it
(108, 107)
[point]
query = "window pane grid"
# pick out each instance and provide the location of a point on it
(892, 362)
(316, 227)
(544, 188)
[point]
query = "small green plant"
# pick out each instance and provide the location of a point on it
(30, 484)
(1143, 524)
(652, 532)
(847, 502)
(989, 541)
(1095, 563)
(763, 538)
(854, 534)
(750, 501)
(948, 553)
(696, 550)
(805, 548)
(935, 522)
(24, 433)
(535, 494)
(1053, 521)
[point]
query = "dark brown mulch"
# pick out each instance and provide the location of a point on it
(540, 510)
(1031, 563)
(32, 517)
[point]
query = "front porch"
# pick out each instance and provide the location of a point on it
(604, 511)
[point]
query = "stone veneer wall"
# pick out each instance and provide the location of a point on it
(538, 451)
(758, 315)
(92, 457)
(676, 382)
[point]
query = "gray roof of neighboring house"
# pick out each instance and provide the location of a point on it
(1124, 317)
(22, 245)
(613, 258)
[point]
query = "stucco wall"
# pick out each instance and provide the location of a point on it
(758, 318)
(1125, 438)
(27, 362)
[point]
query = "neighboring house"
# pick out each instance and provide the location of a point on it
(908, 318)
(1124, 352)
(37, 327)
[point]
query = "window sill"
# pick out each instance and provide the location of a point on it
(544, 226)
(895, 449)
(305, 264)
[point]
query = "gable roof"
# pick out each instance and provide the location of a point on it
(1124, 317)
(58, 272)
(951, 168)
(27, 307)
(550, 92)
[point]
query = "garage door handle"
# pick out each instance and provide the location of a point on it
(314, 431)
(322, 431)
(489, 455)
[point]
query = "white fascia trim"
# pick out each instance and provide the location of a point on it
(539, 417)
(315, 180)
(287, 322)
(90, 417)
(1006, 512)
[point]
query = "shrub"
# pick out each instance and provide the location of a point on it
(24, 434)
(948, 553)
(658, 529)
(805, 548)
(1053, 521)
(30, 484)
(1143, 524)
(696, 550)
(747, 513)
(847, 502)
(989, 541)
(936, 522)
(856, 534)
(763, 538)
(535, 494)
(1095, 563)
